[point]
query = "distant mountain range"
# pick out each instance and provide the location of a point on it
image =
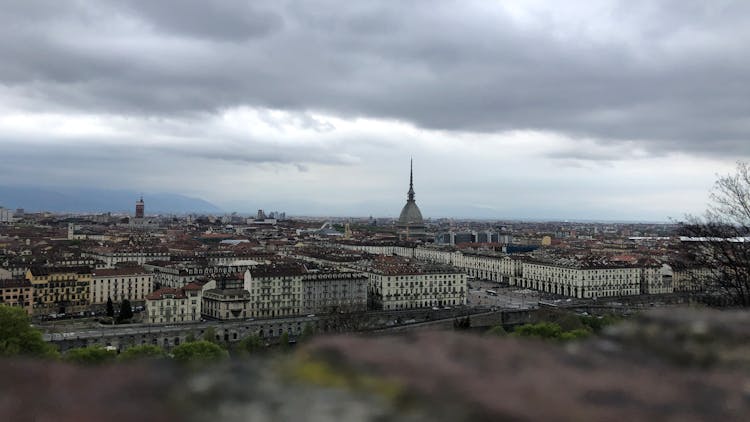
(34, 199)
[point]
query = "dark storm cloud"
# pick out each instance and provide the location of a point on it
(220, 19)
(668, 77)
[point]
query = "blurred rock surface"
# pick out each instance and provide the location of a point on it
(670, 365)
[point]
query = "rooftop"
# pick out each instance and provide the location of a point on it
(119, 271)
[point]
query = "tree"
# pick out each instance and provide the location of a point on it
(146, 351)
(199, 352)
(462, 323)
(91, 355)
(126, 311)
(110, 308)
(545, 330)
(210, 335)
(720, 238)
(19, 338)
(307, 332)
(284, 341)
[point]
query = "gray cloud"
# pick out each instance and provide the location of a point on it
(252, 103)
(672, 76)
(223, 20)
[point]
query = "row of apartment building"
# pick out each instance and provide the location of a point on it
(51, 290)
(574, 278)
(281, 290)
(261, 292)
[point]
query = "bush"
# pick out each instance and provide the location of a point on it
(91, 355)
(597, 324)
(567, 320)
(578, 334)
(550, 330)
(496, 331)
(146, 351)
(546, 330)
(199, 352)
(19, 338)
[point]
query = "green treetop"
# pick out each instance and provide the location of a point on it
(19, 338)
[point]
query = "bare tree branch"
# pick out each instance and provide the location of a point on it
(721, 238)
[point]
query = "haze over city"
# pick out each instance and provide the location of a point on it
(614, 110)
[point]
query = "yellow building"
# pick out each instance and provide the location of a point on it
(16, 292)
(60, 289)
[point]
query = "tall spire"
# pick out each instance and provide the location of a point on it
(411, 179)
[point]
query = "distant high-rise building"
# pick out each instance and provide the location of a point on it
(6, 216)
(464, 237)
(139, 208)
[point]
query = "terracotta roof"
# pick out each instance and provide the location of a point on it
(159, 294)
(193, 286)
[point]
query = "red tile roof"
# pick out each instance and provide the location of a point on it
(159, 294)
(193, 286)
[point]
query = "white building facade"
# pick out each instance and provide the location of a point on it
(132, 283)
(398, 285)
(336, 291)
(275, 291)
(595, 281)
(111, 259)
(167, 305)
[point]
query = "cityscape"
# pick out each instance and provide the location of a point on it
(361, 212)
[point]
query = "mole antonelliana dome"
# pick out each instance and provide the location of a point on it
(410, 221)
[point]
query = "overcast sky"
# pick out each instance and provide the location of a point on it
(514, 109)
